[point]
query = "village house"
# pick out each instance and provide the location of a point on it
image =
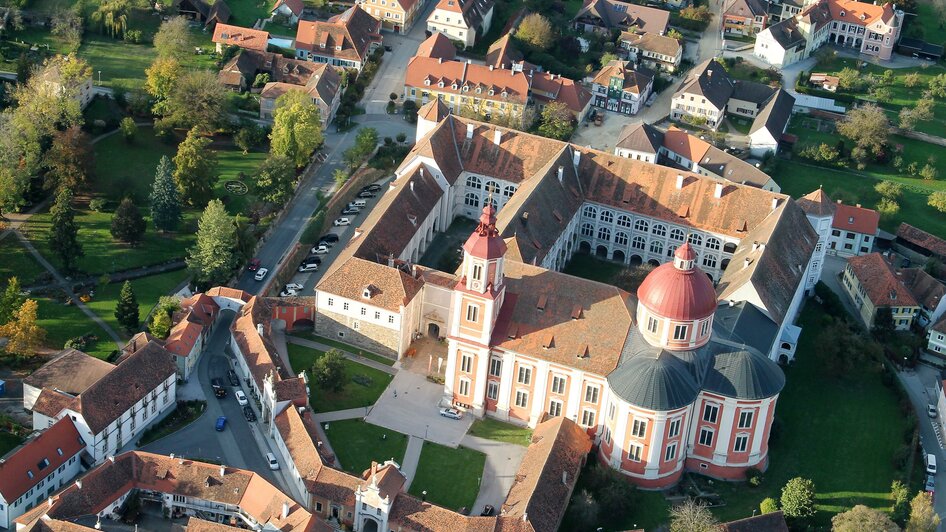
(246, 38)
(745, 17)
(203, 11)
(75, 84)
(853, 230)
(37, 469)
(290, 10)
(608, 15)
(654, 51)
(929, 293)
(824, 81)
(193, 324)
(461, 20)
(323, 88)
(620, 88)
(871, 284)
(769, 126)
(936, 341)
(919, 245)
(345, 40)
(398, 16)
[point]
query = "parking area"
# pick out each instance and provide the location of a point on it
(411, 405)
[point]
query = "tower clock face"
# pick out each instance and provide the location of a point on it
(476, 285)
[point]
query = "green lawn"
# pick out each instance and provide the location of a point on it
(127, 169)
(455, 490)
(63, 322)
(646, 510)
(930, 21)
(352, 349)
(147, 291)
(492, 429)
(8, 442)
(17, 262)
(233, 165)
(121, 63)
(245, 12)
(357, 443)
(353, 395)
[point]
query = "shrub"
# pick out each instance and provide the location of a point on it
(754, 477)
(363, 380)
(98, 204)
(78, 343)
(901, 456)
(401, 137)
(768, 505)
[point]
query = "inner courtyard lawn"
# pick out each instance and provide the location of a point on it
(353, 395)
(357, 443)
(492, 429)
(451, 477)
(147, 291)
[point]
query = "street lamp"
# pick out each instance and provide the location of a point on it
(100, 77)
(426, 428)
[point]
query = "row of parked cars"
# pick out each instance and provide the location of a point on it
(220, 391)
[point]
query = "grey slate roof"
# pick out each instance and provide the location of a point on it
(732, 168)
(750, 91)
(641, 137)
(786, 33)
(656, 380)
(744, 323)
(744, 373)
(710, 80)
(774, 116)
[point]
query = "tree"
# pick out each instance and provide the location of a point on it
(929, 172)
(888, 207)
(160, 80)
(536, 30)
(861, 518)
(850, 79)
(881, 94)
(297, 128)
(700, 13)
(867, 126)
(365, 143)
(23, 335)
(798, 498)
(69, 159)
(212, 259)
(63, 234)
(923, 517)
(112, 17)
(340, 176)
(127, 223)
(329, 371)
(160, 325)
(557, 121)
(584, 510)
(938, 86)
(173, 38)
(10, 300)
(128, 128)
(691, 516)
(606, 58)
(195, 169)
(768, 505)
(67, 25)
(197, 99)
(900, 494)
(884, 327)
(126, 311)
(24, 67)
(275, 179)
(249, 137)
(937, 200)
(165, 202)
(912, 80)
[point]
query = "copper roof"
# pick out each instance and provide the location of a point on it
(23, 468)
(675, 293)
(884, 287)
(70, 371)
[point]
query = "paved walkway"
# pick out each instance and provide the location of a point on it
(411, 460)
(15, 220)
(349, 355)
(499, 472)
(340, 415)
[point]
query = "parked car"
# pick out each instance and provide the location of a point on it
(218, 388)
(261, 274)
(308, 267)
(930, 483)
(221, 423)
(931, 410)
(350, 210)
(273, 464)
(341, 222)
(329, 238)
(288, 293)
(488, 510)
(320, 249)
(249, 414)
(930, 464)
(451, 413)
(313, 258)
(241, 397)
(253, 265)
(366, 194)
(374, 187)
(294, 286)
(232, 377)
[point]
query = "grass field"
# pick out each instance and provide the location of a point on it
(245, 12)
(505, 432)
(357, 443)
(63, 322)
(127, 168)
(147, 291)
(17, 262)
(455, 490)
(353, 395)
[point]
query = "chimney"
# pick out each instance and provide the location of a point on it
(469, 61)
(679, 181)
(111, 459)
(746, 262)
(223, 470)
(732, 303)
(285, 509)
(718, 193)
(79, 484)
(50, 502)
(755, 246)
(469, 131)
(412, 186)
(259, 329)
(391, 260)
(858, 205)
(171, 456)
(490, 68)
(439, 60)
(497, 137)
(774, 203)
(421, 174)
(565, 477)
(561, 172)
(576, 158)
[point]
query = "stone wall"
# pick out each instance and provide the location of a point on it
(369, 336)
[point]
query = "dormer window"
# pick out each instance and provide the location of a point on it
(850, 219)
(454, 86)
(368, 291)
(492, 92)
(479, 90)
(426, 82)
(466, 88)
(440, 84)
(842, 13)
(321, 45)
(505, 94)
(338, 48)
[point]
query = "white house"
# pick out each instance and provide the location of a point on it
(853, 230)
(937, 344)
(770, 124)
(38, 468)
(461, 20)
(291, 9)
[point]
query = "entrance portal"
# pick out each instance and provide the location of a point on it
(433, 330)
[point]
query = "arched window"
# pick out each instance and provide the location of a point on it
(656, 247)
(695, 239)
(624, 221)
(492, 186)
(587, 230)
(671, 249)
(590, 212)
(472, 199)
(641, 225)
(712, 243)
(604, 233)
(606, 216)
(709, 261)
(677, 234)
(620, 238)
(638, 242)
(729, 248)
(494, 203)
(509, 191)
(473, 182)
(659, 230)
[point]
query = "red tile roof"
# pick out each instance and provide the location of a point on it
(860, 13)
(389, 288)
(817, 203)
(556, 88)
(295, 6)
(883, 286)
(921, 239)
(856, 219)
(38, 457)
(50, 403)
(346, 36)
(183, 337)
(427, 73)
(437, 46)
(242, 37)
(924, 287)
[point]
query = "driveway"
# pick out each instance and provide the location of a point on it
(921, 385)
(499, 472)
(411, 405)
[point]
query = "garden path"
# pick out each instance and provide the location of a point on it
(411, 459)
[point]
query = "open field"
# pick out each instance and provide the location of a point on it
(357, 444)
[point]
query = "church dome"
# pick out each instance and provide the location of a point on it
(679, 290)
(656, 380)
(744, 373)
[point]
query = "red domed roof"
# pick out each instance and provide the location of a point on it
(679, 290)
(485, 242)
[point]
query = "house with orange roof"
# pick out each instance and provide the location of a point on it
(398, 16)
(345, 40)
(32, 471)
(247, 38)
(192, 325)
(853, 230)
(653, 50)
(323, 87)
(290, 9)
(871, 283)
(461, 20)
(619, 87)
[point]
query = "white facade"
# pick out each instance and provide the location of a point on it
(51, 483)
(454, 27)
(762, 142)
(936, 342)
(821, 225)
(689, 105)
(849, 243)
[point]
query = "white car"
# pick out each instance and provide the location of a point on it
(241, 398)
(271, 459)
(341, 221)
(451, 413)
(931, 411)
(261, 274)
(320, 249)
(288, 293)
(296, 287)
(308, 267)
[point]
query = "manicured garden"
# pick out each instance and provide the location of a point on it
(363, 385)
(492, 429)
(357, 444)
(147, 291)
(456, 489)
(17, 262)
